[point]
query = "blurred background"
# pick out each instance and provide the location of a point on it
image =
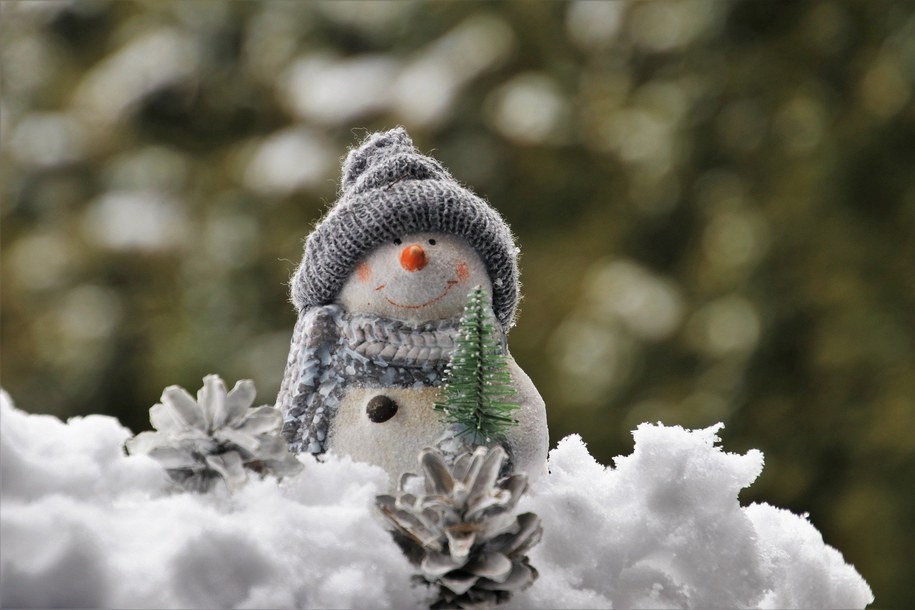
(715, 203)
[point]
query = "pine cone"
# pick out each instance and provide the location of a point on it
(215, 437)
(459, 527)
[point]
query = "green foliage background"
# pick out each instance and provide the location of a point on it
(715, 203)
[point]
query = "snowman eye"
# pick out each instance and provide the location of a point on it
(431, 242)
(397, 242)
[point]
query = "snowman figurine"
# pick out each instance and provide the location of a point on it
(380, 291)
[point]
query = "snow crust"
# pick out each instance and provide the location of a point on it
(663, 528)
(84, 525)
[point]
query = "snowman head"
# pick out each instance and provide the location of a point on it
(390, 192)
(416, 278)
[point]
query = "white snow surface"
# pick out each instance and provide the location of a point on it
(84, 525)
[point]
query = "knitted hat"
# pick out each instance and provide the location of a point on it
(388, 189)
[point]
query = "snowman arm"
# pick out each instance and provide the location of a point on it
(308, 376)
(529, 439)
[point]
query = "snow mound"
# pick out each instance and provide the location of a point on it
(84, 525)
(664, 529)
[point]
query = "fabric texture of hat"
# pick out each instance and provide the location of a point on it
(388, 190)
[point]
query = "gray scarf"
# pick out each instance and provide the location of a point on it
(385, 342)
(337, 350)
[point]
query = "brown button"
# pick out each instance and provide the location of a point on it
(381, 409)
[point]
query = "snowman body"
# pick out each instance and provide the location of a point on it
(394, 444)
(396, 319)
(384, 278)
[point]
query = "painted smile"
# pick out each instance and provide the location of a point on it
(448, 287)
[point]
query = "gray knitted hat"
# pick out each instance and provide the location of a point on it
(387, 190)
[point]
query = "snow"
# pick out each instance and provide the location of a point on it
(151, 60)
(288, 161)
(48, 140)
(136, 219)
(327, 89)
(664, 529)
(84, 525)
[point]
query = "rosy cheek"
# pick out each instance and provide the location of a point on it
(462, 272)
(363, 272)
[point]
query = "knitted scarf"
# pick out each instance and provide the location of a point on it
(335, 350)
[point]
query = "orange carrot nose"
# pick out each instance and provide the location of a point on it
(413, 257)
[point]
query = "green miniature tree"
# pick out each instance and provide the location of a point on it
(478, 395)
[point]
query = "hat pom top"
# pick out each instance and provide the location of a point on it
(386, 158)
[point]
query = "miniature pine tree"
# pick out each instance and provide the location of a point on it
(478, 394)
